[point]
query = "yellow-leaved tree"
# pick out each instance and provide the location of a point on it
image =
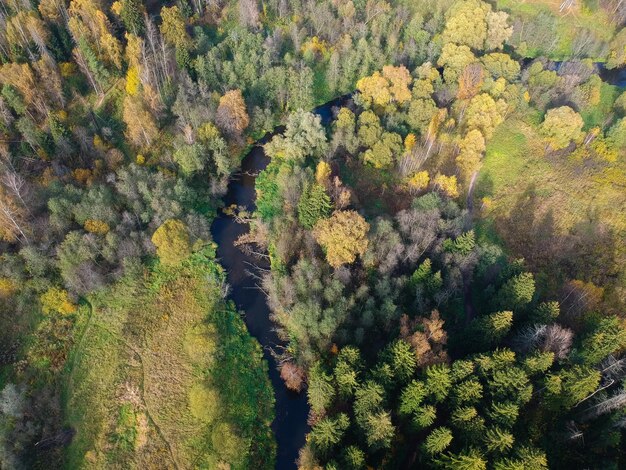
(343, 236)
(172, 242)
(56, 300)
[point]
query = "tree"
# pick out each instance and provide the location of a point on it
(314, 204)
(421, 113)
(141, 128)
(561, 126)
(467, 460)
(343, 236)
(447, 184)
(172, 242)
(438, 440)
(191, 158)
(500, 65)
(607, 337)
(328, 432)
(392, 86)
(232, 116)
(321, 390)
(353, 458)
(385, 151)
(131, 12)
(466, 24)
(571, 386)
(56, 300)
(517, 292)
(498, 440)
(498, 29)
(483, 113)
(438, 381)
(369, 130)
(380, 430)
(304, 135)
(454, 59)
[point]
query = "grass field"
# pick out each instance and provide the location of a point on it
(142, 390)
(568, 24)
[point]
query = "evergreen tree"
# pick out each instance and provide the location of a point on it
(314, 204)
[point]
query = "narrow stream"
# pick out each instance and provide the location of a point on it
(292, 409)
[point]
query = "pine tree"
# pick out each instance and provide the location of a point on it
(438, 381)
(497, 440)
(321, 390)
(314, 204)
(467, 460)
(328, 432)
(438, 440)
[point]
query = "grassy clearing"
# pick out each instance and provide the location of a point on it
(545, 208)
(143, 389)
(568, 24)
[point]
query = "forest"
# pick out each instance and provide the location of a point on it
(427, 198)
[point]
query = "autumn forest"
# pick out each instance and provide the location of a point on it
(313, 234)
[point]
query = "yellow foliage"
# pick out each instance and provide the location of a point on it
(7, 287)
(381, 89)
(314, 47)
(208, 132)
(374, 89)
(322, 173)
(67, 69)
(419, 181)
(172, 242)
(98, 143)
(409, 142)
(83, 175)
(231, 112)
(140, 159)
(116, 8)
(399, 79)
(132, 81)
(447, 184)
(343, 236)
(56, 300)
(97, 226)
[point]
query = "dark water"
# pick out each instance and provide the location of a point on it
(290, 424)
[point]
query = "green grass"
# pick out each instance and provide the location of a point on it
(567, 25)
(151, 343)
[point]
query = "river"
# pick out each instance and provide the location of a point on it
(292, 410)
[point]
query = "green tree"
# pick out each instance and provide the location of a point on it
(607, 337)
(191, 158)
(314, 204)
(467, 460)
(380, 430)
(304, 136)
(438, 440)
(438, 381)
(328, 432)
(517, 292)
(562, 126)
(497, 440)
(321, 391)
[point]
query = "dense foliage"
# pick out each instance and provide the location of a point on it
(395, 238)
